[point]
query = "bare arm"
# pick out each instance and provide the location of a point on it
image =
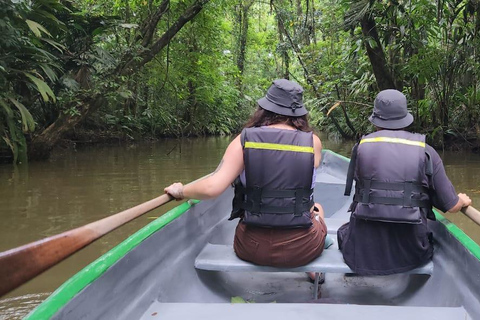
(218, 181)
(317, 148)
(463, 201)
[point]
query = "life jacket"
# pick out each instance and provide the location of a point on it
(276, 191)
(390, 169)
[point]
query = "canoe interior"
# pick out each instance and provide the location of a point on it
(158, 276)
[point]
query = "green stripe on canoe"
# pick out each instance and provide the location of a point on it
(337, 155)
(458, 233)
(94, 270)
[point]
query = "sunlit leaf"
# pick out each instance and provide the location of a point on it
(42, 87)
(333, 108)
(37, 28)
(129, 25)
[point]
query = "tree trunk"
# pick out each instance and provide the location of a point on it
(242, 21)
(282, 32)
(43, 143)
(307, 76)
(376, 55)
(132, 65)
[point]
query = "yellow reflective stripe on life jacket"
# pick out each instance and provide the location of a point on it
(277, 146)
(394, 140)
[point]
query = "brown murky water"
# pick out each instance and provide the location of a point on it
(46, 198)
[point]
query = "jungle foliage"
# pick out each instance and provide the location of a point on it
(136, 69)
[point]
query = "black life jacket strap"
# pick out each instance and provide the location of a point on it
(429, 173)
(362, 193)
(391, 186)
(429, 164)
(394, 201)
(280, 209)
(251, 200)
(351, 171)
(238, 198)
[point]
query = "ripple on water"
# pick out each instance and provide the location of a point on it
(18, 307)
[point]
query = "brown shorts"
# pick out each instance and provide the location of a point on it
(280, 247)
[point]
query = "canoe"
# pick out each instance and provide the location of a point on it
(182, 266)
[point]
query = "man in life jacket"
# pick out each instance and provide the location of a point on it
(398, 178)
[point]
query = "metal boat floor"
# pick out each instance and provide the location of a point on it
(289, 311)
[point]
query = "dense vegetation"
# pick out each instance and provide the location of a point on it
(136, 69)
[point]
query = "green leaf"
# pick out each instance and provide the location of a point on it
(7, 108)
(237, 300)
(49, 72)
(54, 44)
(12, 147)
(126, 94)
(28, 124)
(37, 28)
(42, 87)
(49, 16)
(128, 25)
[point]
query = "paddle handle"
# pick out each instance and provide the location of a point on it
(472, 213)
(21, 264)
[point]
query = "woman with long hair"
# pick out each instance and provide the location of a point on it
(272, 164)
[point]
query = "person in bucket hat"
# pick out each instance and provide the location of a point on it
(390, 110)
(276, 153)
(284, 97)
(398, 178)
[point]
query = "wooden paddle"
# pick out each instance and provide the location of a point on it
(21, 264)
(472, 213)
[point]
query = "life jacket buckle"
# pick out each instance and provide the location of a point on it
(407, 195)
(256, 200)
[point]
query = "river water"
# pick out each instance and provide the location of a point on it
(42, 199)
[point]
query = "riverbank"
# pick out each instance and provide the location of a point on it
(84, 138)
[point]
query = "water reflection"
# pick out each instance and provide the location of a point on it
(18, 307)
(46, 198)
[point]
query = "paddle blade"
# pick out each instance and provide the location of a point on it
(21, 264)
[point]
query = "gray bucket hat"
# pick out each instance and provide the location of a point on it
(390, 110)
(284, 97)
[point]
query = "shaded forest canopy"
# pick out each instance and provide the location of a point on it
(139, 69)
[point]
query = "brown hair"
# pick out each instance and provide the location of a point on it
(263, 117)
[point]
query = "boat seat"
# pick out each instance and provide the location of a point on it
(307, 311)
(219, 257)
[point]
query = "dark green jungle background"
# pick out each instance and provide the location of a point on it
(89, 71)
